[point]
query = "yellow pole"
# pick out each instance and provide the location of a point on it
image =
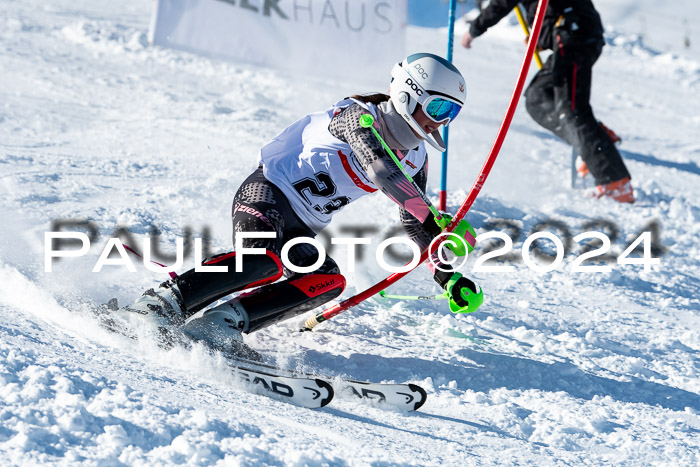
(523, 22)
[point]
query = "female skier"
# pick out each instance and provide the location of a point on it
(306, 174)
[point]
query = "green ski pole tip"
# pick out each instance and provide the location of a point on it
(366, 121)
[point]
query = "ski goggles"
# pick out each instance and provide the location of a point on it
(439, 109)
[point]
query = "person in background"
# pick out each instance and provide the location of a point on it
(558, 98)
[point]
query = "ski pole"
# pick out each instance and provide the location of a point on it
(441, 296)
(476, 189)
(366, 121)
(172, 274)
(523, 22)
(442, 194)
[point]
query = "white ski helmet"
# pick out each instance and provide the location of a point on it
(435, 84)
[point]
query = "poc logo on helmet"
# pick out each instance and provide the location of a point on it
(414, 86)
(421, 71)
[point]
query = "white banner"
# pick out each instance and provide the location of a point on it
(354, 39)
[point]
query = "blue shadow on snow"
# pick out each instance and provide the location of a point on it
(493, 371)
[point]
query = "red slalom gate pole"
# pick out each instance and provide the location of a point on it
(478, 185)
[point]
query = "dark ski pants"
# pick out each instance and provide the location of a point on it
(558, 98)
(259, 206)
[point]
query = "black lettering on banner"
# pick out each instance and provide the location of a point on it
(356, 19)
(297, 7)
(268, 6)
(347, 17)
(386, 19)
(329, 6)
(246, 5)
(273, 5)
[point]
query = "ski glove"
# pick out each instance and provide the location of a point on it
(465, 296)
(464, 230)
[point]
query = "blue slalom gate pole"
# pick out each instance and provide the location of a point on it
(442, 202)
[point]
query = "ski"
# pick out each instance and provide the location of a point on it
(408, 397)
(304, 389)
(309, 392)
(402, 396)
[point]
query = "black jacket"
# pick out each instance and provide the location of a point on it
(582, 13)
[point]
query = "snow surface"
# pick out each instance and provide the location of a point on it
(555, 368)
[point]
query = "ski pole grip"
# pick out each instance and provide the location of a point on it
(366, 121)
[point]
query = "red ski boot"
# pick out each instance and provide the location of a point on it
(620, 190)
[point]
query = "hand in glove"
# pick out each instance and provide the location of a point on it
(463, 230)
(465, 296)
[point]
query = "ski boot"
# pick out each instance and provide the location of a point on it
(219, 326)
(220, 329)
(620, 191)
(163, 309)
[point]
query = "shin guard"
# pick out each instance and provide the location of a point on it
(277, 302)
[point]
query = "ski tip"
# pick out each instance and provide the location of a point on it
(327, 386)
(423, 395)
